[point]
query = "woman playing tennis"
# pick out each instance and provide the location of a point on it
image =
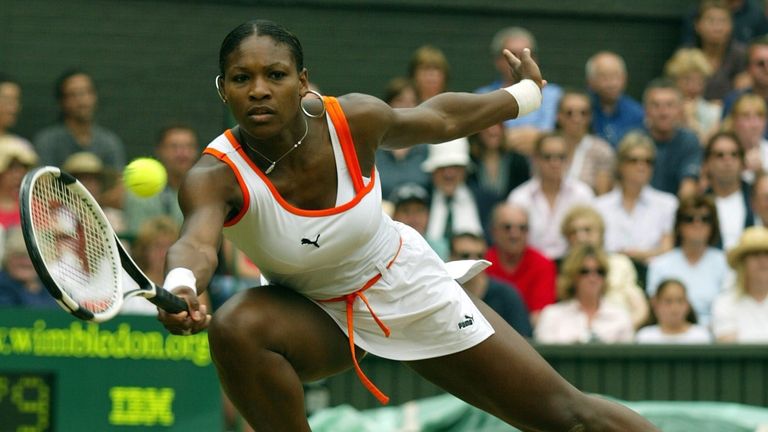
(294, 186)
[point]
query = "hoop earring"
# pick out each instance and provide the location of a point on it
(218, 88)
(304, 110)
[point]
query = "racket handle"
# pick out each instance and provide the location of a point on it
(167, 301)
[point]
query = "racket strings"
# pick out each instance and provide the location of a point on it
(75, 245)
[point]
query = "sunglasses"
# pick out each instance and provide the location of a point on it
(596, 271)
(575, 112)
(560, 157)
(519, 227)
(638, 160)
(469, 255)
(696, 218)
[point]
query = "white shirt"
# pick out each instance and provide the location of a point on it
(565, 322)
(742, 316)
(544, 221)
(695, 334)
(731, 211)
(643, 228)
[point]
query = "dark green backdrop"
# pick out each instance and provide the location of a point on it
(154, 61)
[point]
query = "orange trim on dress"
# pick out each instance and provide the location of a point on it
(349, 299)
(345, 139)
(243, 187)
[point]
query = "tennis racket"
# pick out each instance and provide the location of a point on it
(76, 252)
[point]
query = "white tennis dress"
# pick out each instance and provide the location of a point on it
(369, 273)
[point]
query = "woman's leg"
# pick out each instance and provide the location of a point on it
(506, 377)
(264, 343)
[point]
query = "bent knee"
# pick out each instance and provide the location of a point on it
(244, 320)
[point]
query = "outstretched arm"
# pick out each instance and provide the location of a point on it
(449, 116)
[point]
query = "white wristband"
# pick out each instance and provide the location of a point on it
(528, 96)
(180, 276)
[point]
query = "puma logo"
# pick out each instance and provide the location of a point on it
(306, 241)
(468, 321)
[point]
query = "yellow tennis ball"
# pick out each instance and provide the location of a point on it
(145, 177)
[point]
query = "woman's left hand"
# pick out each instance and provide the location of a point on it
(525, 67)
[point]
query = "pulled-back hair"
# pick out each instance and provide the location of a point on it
(260, 27)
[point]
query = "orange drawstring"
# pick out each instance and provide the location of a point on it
(349, 299)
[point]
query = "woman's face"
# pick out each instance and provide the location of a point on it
(590, 281)
(429, 81)
(575, 115)
(756, 266)
(10, 104)
(262, 87)
(584, 230)
(671, 305)
(691, 84)
(637, 167)
(714, 26)
(696, 226)
(491, 137)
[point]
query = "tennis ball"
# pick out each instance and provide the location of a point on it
(145, 177)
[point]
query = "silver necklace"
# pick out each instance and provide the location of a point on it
(273, 163)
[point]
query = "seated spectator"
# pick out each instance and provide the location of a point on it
(590, 158)
(749, 21)
(723, 167)
(403, 165)
(714, 27)
(454, 207)
(549, 195)
(88, 169)
(638, 218)
(504, 299)
(495, 170)
(678, 152)
(582, 315)
(614, 113)
(10, 107)
(584, 225)
(428, 70)
(16, 159)
(748, 121)
(77, 129)
(410, 204)
(741, 314)
(522, 132)
(19, 283)
(517, 263)
(689, 70)
(758, 74)
(673, 320)
(695, 261)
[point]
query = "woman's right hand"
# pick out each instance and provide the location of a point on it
(524, 67)
(194, 320)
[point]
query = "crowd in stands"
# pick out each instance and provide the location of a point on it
(606, 219)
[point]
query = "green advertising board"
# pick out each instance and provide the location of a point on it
(129, 374)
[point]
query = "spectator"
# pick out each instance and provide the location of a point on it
(749, 21)
(399, 166)
(638, 218)
(689, 69)
(583, 225)
(500, 296)
(77, 130)
(583, 315)
(549, 195)
(429, 70)
(522, 132)
(88, 169)
(759, 199)
(411, 206)
(723, 165)
(10, 107)
(673, 320)
(454, 207)
(613, 112)
(517, 263)
(19, 283)
(714, 27)
(695, 261)
(741, 314)
(16, 159)
(177, 149)
(678, 152)
(748, 121)
(496, 170)
(590, 158)
(757, 69)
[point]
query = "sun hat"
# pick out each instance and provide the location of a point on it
(450, 153)
(83, 163)
(753, 239)
(12, 148)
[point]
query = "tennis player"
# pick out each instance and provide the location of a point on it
(294, 186)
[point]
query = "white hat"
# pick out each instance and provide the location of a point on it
(451, 153)
(753, 239)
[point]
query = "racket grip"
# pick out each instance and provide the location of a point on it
(168, 302)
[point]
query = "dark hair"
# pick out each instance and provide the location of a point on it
(175, 125)
(693, 203)
(395, 87)
(724, 134)
(260, 27)
(468, 235)
(690, 317)
(58, 90)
